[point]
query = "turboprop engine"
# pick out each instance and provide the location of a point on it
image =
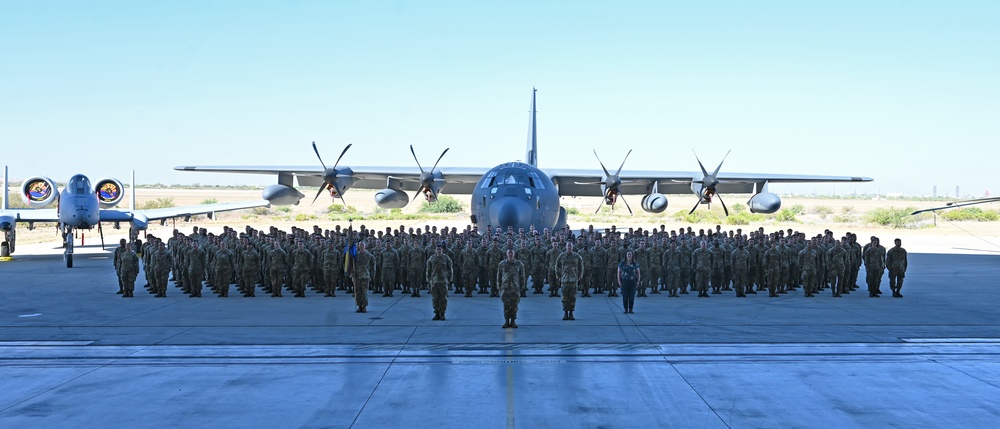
(109, 192)
(39, 192)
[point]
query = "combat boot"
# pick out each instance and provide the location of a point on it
(524, 293)
(565, 315)
(586, 293)
(506, 323)
(416, 293)
(571, 316)
(437, 316)
(442, 316)
(512, 324)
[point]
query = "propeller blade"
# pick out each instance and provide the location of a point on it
(320, 157)
(716, 173)
(623, 163)
(606, 173)
(588, 183)
(723, 204)
(415, 159)
(695, 206)
(703, 170)
(338, 158)
(321, 188)
(439, 159)
(626, 205)
(339, 194)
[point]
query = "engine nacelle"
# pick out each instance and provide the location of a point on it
(390, 198)
(7, 223)
(764, 202)
(281, 195)
(109, 192)
(39, 192)
(654, 203)
(139, 222)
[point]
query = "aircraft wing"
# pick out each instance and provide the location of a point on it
(459, 180)
(33, 215)
(577, 182)
(116, 215)
(957, 204)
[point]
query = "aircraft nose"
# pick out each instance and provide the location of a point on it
(510, 211)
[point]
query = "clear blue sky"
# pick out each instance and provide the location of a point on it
(907, 92)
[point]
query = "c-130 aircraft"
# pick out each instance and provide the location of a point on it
(82, 206)
(521, 194)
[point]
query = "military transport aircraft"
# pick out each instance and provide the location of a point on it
(520, 194)
(82, 206)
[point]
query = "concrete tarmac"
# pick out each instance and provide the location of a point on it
(75, 354)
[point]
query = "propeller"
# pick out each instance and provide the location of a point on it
(427, 178)
(611, 183)
(708, 183)
(330, 175)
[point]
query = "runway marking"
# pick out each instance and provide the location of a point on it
(951, 340)
(509, 339)
(30, 315)
(44, 343)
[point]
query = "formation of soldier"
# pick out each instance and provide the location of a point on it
(504, 263)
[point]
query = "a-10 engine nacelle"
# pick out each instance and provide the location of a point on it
(392, 198)
(764, 202)
(654, 203)
(282, 195)
(39, 192)
(109, 192)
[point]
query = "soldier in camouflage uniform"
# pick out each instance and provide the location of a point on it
(511, 276)
(470, 268)
(117, 260)
(417, 264)
(249, 270)
(895, 261)
(160, 264)
(701, 263)
(389, 263)
(718, 267)
(332, 267)
(195, 269)
(772, 268)
(569, 266)
(539, 266)
(301, 265)
(364, 265)
(599, 262)
(740, 269)
(808, 265)
(494, 257)
(550, 260)
(439, 273)
(276, 271)
(129, 266)
(836, 265)
(222, 265)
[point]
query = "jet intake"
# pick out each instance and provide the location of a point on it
(109, 192)
(282, 195)
(139, 222)
(38, 192)
(764, 202)
(7, 223)
(654, 203)
(392, 198)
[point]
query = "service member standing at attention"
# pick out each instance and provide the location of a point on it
(895, 261)
(364, 265)
(118, 265)
(130, 270)
(569, 269)
(439, 272)
(628, 278)
(512, 276)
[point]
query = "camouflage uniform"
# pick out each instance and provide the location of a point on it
(511, 276)
(389, 263)
(417, 263)
(439, 273)
(569, 265)
(223, 270)
(701, 263)
(301, 267)
(129, 266)
(276, 269)
(250, 271)
(364, 265)
(895, 261)
(195, 270)
(470, 269)
(160, 262)
(740, 270)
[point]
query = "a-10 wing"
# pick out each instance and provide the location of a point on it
(126, 215)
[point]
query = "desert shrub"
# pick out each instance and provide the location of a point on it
(738, 208)
(283, 209)
(891, 216)
(699, 216)
(787, 215)
(975, 214)
(797, 209)
(210, 201)
(302, 217)
(847, 209)
(823, 211)
(339, 208)
(572, 211)
(844, 218)
(159, 203)
(745, 218)
(444, 204)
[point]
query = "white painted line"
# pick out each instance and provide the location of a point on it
(30, 315)
(44, 343)
(951, 340)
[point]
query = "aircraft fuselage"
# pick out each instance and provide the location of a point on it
(516, 195)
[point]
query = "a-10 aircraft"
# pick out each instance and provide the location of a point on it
(82, 206)
(520, 194)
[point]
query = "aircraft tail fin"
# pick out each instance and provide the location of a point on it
(131, 201)
(531, 157)
(5, 187)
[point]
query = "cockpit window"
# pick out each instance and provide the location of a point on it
(489, 180)
(79, 184)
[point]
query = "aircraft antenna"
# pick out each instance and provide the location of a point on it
(131, 202)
